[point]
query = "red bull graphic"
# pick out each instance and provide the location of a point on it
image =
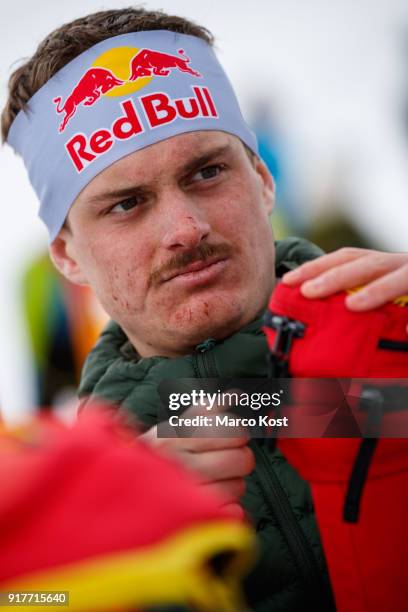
(158, 108)
(148, 62)
(94, 83)
(132, 64)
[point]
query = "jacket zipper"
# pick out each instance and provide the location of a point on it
(205, 367)
(203, 360)
(279, 505)
(286, 331)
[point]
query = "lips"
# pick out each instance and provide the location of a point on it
(196, 266)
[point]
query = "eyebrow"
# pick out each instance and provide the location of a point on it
(203, 159)
(185, 170)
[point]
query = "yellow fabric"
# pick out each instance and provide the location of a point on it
(402, 301)
(175, 570)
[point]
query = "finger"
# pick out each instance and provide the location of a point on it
(229, 490)
(352, 274)
(199, 445)
(224, 464)
(380, 291)
(310, 269)
(239, 433)
(179, 446)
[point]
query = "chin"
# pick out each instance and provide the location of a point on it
(212, 317)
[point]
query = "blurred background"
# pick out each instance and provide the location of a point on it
(325, 87)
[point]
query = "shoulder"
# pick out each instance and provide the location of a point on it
(293, 252)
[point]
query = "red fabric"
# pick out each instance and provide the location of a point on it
(70, 494)
(339, 342)
(367, 560)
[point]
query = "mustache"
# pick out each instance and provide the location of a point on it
(180, 260)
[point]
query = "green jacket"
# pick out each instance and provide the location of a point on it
(291, 574)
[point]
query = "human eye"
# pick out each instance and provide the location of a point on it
(207, 173)
(125, 205)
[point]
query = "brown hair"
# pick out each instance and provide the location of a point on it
(71, 39)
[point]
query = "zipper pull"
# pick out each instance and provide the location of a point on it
(286, 330)
(207, 345)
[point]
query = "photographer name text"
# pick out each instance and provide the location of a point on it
(224, 420)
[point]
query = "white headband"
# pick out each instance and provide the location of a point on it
(121, 95)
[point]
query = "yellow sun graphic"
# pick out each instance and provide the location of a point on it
(118, 61)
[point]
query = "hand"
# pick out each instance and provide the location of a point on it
(220, 463)
(385, 276)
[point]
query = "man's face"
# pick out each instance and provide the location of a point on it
(175, 240)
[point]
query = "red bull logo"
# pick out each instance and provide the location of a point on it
(148, 62)
(158, 108)
(94, 83)
(106, 76)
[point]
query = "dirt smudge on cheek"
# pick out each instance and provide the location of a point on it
(183, 315)
(115, 291)
(192, 315)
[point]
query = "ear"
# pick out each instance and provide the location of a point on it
(268, 184)
(64, 258)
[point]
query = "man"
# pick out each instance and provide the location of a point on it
(157, 199)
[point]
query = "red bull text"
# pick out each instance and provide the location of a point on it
(159, 110)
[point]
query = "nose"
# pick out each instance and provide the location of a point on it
(186, 226)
